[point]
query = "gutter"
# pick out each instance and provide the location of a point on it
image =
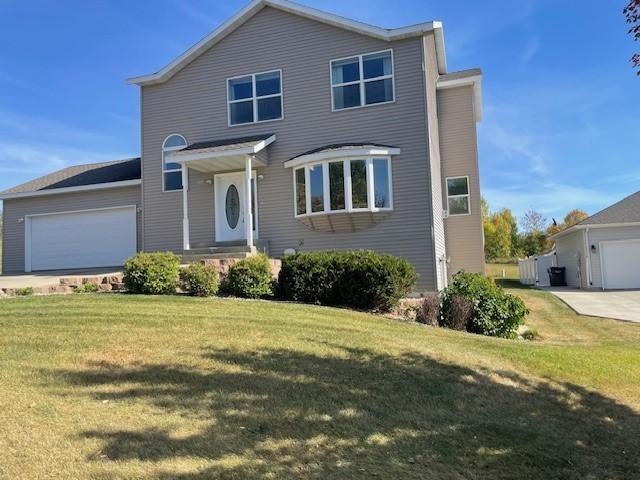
(81, 188)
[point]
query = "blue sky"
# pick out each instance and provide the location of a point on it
(561, 101)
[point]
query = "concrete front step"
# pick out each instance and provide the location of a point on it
(189, 258)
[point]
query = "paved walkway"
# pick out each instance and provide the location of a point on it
(619, 305)
(45, 279)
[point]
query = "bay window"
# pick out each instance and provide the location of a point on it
(349, 185)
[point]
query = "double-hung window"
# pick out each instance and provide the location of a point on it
(349, 185)
(172, 172)
(458, 196)
(255, 98)
(362, 80)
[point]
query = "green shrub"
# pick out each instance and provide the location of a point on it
(199, 280)
(250, 278)
(493, 311)
(87, 288)
(24, 291)
(152, 273)
(359, 279)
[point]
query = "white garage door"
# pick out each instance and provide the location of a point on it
(93, 238)
(621, 264)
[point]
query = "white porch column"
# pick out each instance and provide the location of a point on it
(248, 217)
(185, 209)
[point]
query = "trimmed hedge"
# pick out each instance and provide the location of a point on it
(250, 278)
(483, 307)
(152, 273)
(359, 279)
(199, 280)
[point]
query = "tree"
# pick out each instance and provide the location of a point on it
(632, 16)
(535, 243)
(533, 221)
(500, 229)
(575, 216)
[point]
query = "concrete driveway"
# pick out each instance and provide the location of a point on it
(45, 279)
(619, 304)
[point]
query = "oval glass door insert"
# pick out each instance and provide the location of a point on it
(232, 206)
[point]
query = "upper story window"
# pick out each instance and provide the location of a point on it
(255, 98)
(172, 172)
(458, 196)
(350, 185)
(362, 80)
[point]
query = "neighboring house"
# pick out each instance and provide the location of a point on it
(603, 251)
(289, 129)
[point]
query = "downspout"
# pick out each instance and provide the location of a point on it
(587, 256)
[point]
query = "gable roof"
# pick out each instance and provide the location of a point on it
(91, 176)
(626, 211)
(328, 18)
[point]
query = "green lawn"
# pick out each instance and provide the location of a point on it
(114, 386)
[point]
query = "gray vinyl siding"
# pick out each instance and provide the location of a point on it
(459, 154)
(193, 103)
(13, 230)
(603, 234)
(435, 174)
(570, 254)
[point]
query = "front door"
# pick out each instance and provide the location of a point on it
(229, 206)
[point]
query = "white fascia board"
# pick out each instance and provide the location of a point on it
(476, 82)
(593, 226)
(82, 188)
(338, 154)
(181, 156)
(256, 5)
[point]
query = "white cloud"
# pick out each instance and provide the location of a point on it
(39, 159)
(517, 145)
(530, 49)
(549, 198)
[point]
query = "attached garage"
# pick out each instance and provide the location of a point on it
(91, 238)
(603, 251)
(620, 261)
(88, 216)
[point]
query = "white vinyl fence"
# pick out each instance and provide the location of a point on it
(533, 270)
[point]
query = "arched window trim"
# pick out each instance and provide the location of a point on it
(165, 171)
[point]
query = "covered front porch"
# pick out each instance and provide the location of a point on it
(230, 166)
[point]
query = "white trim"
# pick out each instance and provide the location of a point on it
(468, 195)
(254, 98)
(474, 81)
(166, 151)
(81, 188)
(27, 227)
(348, 189)
(362, 81)
(574, 228)
(185, 157)
(256, 5)
(341, 154)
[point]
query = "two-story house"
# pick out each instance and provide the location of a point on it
(285, 129)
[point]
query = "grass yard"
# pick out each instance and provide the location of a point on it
(106, 386)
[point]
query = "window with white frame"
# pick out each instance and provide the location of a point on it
(172, 172)
(350, 185)
(255, 98)
(458, 196)
(362, 80)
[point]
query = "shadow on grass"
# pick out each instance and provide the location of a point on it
(356, 413)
